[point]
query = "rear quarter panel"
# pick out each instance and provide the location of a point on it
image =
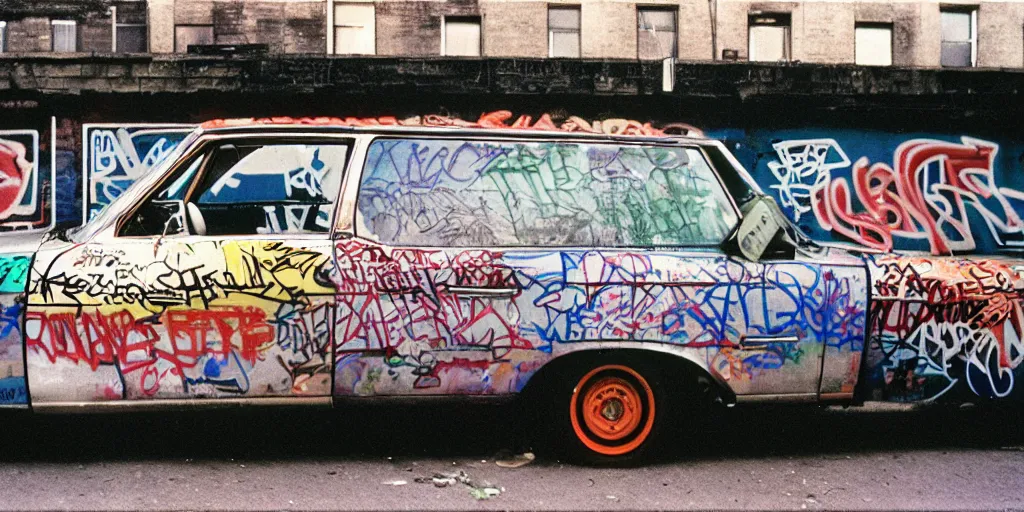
(944, 328)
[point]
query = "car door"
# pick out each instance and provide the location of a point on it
(216, 285)
(473, 262)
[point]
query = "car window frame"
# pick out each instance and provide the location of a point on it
(208, 143)
(353, 228)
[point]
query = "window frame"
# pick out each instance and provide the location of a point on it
(675, 25)
(53, 33)
(336, 25)
(354, 228)
(456, 18)
(203, 148)
(874, 25)
(787, 43)
(213, 34)
(116, 24)
(972, 11)
(579, 30)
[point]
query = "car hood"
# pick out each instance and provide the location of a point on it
(21, 243)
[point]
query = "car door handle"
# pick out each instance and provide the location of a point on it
(762, 342)
(479, 291)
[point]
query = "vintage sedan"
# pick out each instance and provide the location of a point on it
(612, 281)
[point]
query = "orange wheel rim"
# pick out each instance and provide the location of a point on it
(612, 410)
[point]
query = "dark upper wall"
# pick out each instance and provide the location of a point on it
(65, 9)
(764, 112)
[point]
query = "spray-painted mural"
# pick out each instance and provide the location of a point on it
(25, 204)
(115, 155)
(938, 193)
(475, 262)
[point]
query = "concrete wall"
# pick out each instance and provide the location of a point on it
(298, 26)
(852, 119)
(822, 31)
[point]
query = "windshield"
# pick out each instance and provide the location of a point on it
(111, 210)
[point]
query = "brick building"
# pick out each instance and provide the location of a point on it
(954, 33)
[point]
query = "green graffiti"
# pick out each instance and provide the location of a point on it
(511, 194)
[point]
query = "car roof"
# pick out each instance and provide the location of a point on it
(490, 124)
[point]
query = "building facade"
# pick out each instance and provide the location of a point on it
(911, 33)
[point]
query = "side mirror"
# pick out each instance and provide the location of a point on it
(759, 227)
(175, 219)
(195, 219)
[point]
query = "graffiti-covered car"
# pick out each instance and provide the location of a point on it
(612, 277)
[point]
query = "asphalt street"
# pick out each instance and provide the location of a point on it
(444, 457)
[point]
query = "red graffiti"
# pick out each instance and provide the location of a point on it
(408, 304)
(190, 332)
(14, 176)
(946, 317)
(133, 344)
(924, 195)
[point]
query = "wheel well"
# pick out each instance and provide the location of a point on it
(688, 376)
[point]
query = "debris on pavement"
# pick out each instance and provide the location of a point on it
(440, 480)
(484, 493)
(396, 482)
(516, 461)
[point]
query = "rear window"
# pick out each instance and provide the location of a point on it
(439, 193)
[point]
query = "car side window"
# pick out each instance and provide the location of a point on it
(247, 188)
(163, 212)
(270, 188)
(484, 193)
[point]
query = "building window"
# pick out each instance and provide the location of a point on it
(460, 36)
(354, 29)
(959, 38)
(564, 32)
(187, 35)
(769, 37)
(656, 33)
(873, 44)
(130, 32)
(65, 36)
(3, 37)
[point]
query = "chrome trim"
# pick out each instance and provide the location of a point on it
(764, 340)
(345, 209)
(836, 397)
(13, 407)
(784, 398)
(761, 343)
(179, 404)
(406, 400)
(478, 291)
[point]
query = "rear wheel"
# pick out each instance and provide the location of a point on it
(612, 410)
(612, 413)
